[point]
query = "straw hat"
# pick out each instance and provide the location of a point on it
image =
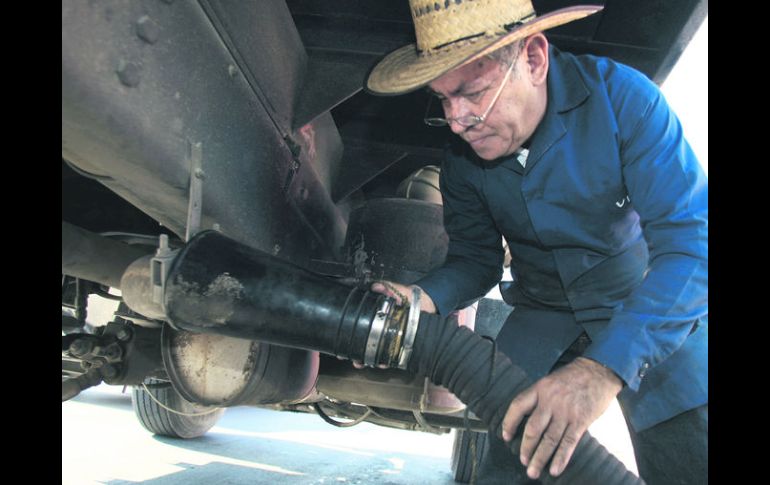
(451, 33)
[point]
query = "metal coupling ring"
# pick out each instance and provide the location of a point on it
(378, 324)
(411, 328)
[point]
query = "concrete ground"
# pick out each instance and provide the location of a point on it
(103, 443)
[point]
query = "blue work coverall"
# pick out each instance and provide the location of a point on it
(607, 222)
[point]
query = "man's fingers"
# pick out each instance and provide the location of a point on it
(390, 289)
(548, 444)
(521, 405)
(536, 425)
(568, 444)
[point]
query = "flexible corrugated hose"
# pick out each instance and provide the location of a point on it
(460, 360)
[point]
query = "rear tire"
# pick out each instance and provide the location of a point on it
(462, 459)
(160, 421)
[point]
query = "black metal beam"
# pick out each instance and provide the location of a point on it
(331, 77)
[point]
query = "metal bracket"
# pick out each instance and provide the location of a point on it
(159, 268)
(418, 414)
(195, 204)
(378, 324)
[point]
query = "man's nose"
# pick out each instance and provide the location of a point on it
(455, 109)
(456, 127)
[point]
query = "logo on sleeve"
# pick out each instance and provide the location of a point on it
(625, 200)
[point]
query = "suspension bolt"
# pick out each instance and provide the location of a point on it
(113, 352)
(123, 334)
(109, 371)
(81, 347)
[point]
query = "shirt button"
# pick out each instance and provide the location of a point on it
(644, 369)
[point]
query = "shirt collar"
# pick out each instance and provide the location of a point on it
(572, 91)
(566, 91)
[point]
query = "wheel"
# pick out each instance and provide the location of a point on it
(158, 420)
(462, 461)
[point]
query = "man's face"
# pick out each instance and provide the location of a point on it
(470, 89)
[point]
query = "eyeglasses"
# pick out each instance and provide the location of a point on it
(469, 120)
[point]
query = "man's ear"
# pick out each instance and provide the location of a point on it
(536, 51)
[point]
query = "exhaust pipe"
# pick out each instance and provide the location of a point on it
(218, 286)
(92, 257)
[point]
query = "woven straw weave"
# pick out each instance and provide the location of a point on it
(451, 33)
(442, 22)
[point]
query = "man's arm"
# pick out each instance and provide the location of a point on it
(474, 261)
(669, 191)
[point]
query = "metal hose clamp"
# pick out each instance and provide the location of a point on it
(378, 324)
(413, 320)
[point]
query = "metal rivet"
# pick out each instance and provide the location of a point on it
(128, 73)
(200, 174)
(276, 249)
(232, 70)
(147, 30)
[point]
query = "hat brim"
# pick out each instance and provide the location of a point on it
(403, 70)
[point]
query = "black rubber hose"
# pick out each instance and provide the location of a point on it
(461, 361)
(217, 285)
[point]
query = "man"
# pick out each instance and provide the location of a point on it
(580, 165)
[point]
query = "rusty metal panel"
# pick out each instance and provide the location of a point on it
(146, 85)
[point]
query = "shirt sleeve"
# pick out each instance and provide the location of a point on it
(474, 261)
(669, 191)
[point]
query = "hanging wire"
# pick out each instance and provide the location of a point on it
(340, 424)
(173, 411)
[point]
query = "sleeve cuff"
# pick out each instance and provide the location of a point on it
(621, 355)
(443, 298)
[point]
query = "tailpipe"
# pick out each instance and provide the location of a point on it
(218, 286)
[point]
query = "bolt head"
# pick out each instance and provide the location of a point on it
(113, 352)
(128, 73)
(147, 29)
(109, 371)
(81, 347)
(123, 334)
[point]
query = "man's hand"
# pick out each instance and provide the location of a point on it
(561, 407)
(398, 292)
